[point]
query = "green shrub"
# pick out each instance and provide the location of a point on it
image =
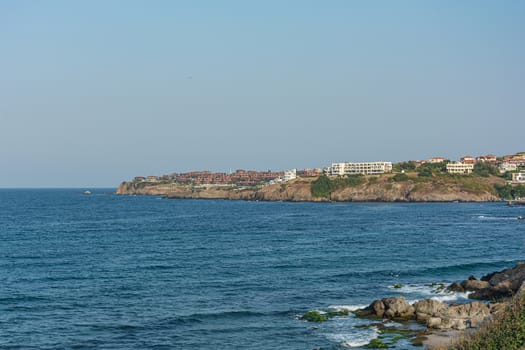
(400, 177)
(322, 187)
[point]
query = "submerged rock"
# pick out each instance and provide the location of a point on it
(315, 316)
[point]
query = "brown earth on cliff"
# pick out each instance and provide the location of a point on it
(382, 188)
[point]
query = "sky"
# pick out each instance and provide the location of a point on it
(93, 93)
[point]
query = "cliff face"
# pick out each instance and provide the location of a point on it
(296, 191)
(414, 192)
(382, 189)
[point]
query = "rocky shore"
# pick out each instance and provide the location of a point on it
(372, 189)
(448, 322)
(438, 325)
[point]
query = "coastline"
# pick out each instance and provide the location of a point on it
(372, 189)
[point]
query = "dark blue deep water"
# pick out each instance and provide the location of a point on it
(124, 272)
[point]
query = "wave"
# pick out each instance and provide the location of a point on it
(429, 291)
(349, 308)
(351, 337)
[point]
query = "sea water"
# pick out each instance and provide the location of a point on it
(103, 271)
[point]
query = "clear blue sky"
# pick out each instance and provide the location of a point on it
(96, 92)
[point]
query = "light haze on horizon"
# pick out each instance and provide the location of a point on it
(93, 93)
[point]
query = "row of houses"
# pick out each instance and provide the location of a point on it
(242, 177)
(466, 164)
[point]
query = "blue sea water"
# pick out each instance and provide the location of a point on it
(132, 272)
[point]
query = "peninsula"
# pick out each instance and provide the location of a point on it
(484, 178)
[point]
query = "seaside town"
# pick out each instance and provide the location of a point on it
(513, 164)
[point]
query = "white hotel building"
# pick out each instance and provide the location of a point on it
(460, 168)
(365, 168)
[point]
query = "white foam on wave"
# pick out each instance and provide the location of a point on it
(427, 291)
(348, 308)
(356, 338)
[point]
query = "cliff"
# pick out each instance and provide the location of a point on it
(371, 189)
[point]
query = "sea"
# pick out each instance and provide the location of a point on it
(104, 271)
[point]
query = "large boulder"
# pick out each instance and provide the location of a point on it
(392, 308)
(398, 308)
(460, 316)
(456, 287)
(474, 285)
(426, 308)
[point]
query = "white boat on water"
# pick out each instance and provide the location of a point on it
(87, 192)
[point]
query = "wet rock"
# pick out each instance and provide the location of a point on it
(398, 308)
(392, 308)
(474, 285)
(456, 287)
(494, 286)
(515, 275)
(425, 309)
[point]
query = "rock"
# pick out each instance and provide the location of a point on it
(516, 275)
(374, 310)
(427, 308)
(497, 308)
(474, 285)
(398, 308)
(459, 316)
(502, 290)
(456, 287)
(433, 322)
(379, 308)
(494, 286)
(388, 308)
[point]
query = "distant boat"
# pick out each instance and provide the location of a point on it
(87, 192)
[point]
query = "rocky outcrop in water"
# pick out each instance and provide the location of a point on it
(494, 286)
(435, 314)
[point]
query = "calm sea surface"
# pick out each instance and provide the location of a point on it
(123, 272)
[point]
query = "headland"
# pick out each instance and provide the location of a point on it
(472, 179)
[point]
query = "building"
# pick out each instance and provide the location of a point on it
(460, 168)
(507, 166)
(489, 158)
(468, 160)
(289, 175)
(310, 172)
(364, 168)
(518, 178)
(437, 160)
